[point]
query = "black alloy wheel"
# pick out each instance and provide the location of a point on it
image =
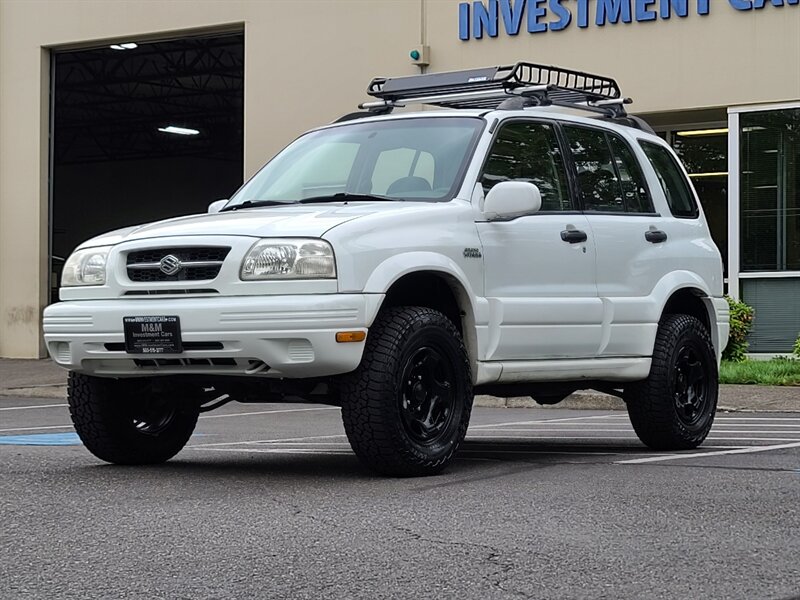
(690, 385)
(427, 396)
(154, 415)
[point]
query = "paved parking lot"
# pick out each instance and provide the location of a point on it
(268, 501)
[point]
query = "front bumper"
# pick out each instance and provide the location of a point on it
(263, 336)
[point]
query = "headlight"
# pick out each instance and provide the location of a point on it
(86, 267)
(289, 259)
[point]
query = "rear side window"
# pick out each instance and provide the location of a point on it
(529, 151)
(631, 178)
(609, 178)
(673, 182)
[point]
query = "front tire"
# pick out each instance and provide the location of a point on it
(406, 408)
(673, 409)
(126, 422)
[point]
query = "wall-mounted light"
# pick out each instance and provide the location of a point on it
(125, 46)
(178, 130)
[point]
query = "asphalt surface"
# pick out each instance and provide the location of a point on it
(268, 501)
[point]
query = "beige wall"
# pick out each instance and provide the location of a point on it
(725, 58)
(308, 61)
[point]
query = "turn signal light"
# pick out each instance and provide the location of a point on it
(351, 336)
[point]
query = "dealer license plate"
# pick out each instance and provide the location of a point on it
(152, 335)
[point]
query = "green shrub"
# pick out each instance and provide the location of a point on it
(796, 349)
(741, 324)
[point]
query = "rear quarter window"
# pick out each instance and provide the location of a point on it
(676, 188)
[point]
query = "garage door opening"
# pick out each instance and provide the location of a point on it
(141, 132)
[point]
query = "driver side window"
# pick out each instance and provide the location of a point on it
(529, 151)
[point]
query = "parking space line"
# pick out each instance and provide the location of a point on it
(35, 428)
(278, 450)
(33, 406)
(268, 412)
(652, 459)
(578, 430)
(297, 439)
(539, 421)
(247, 414)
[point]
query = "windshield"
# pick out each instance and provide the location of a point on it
(402, 159)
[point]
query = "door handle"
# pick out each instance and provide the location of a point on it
(573, 236)
(655, 236)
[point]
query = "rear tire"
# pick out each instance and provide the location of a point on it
(406, 408)
(122, 421)
(673, 409)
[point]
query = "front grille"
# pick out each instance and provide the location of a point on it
(196, 263)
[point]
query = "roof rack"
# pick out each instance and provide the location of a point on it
(506, 87)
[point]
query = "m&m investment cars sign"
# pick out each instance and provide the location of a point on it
(489, 17)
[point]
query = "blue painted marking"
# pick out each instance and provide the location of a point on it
(41, 439)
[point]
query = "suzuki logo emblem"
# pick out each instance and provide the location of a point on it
(170, 264)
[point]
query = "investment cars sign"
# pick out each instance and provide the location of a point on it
(489, 17)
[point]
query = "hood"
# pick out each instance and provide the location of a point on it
(275, 221)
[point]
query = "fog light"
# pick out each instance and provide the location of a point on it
(351, 336)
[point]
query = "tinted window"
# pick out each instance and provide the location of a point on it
(676, 188)
(634, 187)
(529, 152)
(597, 179)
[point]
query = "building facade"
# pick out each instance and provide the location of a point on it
(719, 79)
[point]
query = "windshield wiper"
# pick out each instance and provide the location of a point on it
(348, 197)
(255, 203)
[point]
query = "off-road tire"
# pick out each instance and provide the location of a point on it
(106, 413)
(381, 409)
(656, 406)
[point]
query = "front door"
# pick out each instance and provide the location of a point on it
(540, 268)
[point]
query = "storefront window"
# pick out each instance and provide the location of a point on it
(770, 190)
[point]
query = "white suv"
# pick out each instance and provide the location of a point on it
(397, 264)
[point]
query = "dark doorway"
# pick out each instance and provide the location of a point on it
(143, 131)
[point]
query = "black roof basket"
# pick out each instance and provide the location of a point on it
(515, 86)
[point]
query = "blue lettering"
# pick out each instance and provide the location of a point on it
(760, 3)
(484, 19)
(702, 7)
(583, 13)
(613, 10)
(564, 16)
(512, 15)
(536, 12)
(681, 8)
(643, 12)
(741, 4)
(463, 21)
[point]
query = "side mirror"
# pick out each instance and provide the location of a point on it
(510, 199)
(216, 206)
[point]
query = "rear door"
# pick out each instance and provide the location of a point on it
(540, 268)
(632, 247)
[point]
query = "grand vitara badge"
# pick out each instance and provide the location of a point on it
(170, 264)
(472, 253)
